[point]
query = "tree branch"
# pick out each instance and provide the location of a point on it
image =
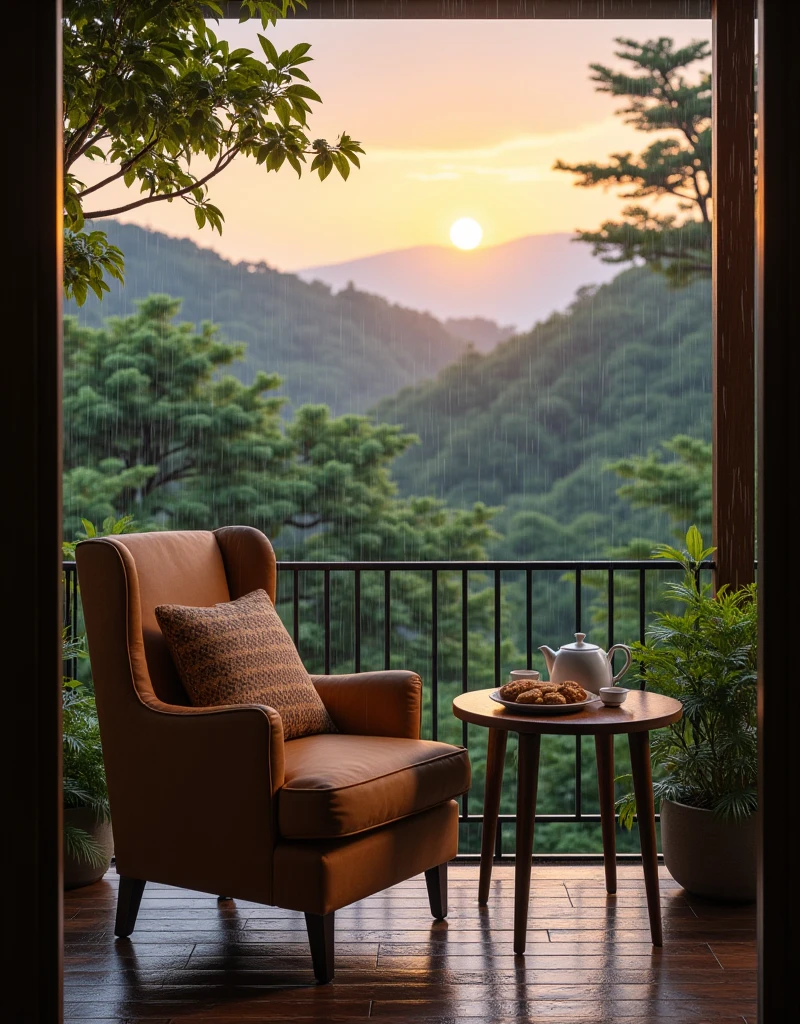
(123, 170)
(152, 198)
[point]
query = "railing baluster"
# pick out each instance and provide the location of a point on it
(578, 603)
(578, 778)
(497, 624)
(296, 607)
(529, 617)
(357, 612)
(435, 654)
(578, 759)
(642, 620)
(326, 606)
(387, 619)
(611, 615)
(464, 671)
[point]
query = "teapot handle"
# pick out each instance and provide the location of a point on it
(626, 666)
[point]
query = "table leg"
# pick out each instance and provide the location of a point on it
(527, 781)
(495, 762)
(604, 748)
(639, 743)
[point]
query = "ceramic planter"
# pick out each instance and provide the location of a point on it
(708, 856)
(81, 872)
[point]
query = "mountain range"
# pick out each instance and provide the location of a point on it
(345, 350)
(533, 425)
(519, 282)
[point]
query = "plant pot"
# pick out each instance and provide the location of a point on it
(709, 856)
(81, 872)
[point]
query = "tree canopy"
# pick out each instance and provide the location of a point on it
(152, 92)
(659, 98)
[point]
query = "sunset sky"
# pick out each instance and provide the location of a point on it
(458, 119)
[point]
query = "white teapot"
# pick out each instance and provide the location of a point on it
(587, 664)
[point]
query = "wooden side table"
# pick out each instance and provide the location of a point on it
(641, 712)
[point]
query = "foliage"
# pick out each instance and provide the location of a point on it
(537, 424)
(707, 658)
(84, 777)
(677, 164)
(110, 527)
(681, 487)
(345, 350)
(150, 90)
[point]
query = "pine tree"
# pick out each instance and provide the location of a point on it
(659, 99)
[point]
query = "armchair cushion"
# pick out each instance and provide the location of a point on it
(238, 652)
(338, 785)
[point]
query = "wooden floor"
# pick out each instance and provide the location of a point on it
(589, 957)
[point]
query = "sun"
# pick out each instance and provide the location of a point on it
(466, 233)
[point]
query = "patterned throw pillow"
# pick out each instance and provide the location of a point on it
(238, 652)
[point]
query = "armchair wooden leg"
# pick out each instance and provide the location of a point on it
(128, 900)
(436, 880)
(320, 939)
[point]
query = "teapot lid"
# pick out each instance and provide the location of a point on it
(579, 645)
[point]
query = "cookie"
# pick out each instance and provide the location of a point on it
(573, 692)
(554, 697)
(511, 691)
(534, 696)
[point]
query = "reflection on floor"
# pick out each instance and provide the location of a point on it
(589, 957)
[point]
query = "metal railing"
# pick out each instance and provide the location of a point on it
(290, 594)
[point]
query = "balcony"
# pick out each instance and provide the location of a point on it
(589, 955)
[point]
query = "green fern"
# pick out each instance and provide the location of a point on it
(84, 776)
(707, 659)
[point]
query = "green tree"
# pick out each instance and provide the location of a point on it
(154, 427)
(680, 486)
(150, 90)
(659, 98)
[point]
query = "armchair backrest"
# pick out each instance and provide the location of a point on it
(124, 578)
(180, 815)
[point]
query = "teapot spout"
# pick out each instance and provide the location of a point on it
(549, 657)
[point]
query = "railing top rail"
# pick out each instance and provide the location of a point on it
(511, 566)
(562, 565)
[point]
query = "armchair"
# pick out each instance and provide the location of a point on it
(213, 798)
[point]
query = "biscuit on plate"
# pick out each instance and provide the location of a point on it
(534, 696)
(513, 689)
(554, 697)
(573, 692)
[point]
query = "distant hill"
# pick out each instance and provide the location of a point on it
(478, 331)
(530, 425)
(519, 282)
(346, 350)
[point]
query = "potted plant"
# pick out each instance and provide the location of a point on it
(705, 765)
(88, 843)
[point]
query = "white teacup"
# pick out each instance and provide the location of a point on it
(517, 674)
(613, 696)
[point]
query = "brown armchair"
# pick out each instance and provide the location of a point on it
(212, 798)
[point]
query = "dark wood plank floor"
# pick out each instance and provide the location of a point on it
(589, 957)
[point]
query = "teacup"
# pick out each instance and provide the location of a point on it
(612, 696)
(517, 674)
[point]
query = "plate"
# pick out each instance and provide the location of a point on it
(544, 709)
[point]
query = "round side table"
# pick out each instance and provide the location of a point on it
(641, 712)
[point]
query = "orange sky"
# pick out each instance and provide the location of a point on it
(458, 118)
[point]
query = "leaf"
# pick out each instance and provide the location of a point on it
(269, 50)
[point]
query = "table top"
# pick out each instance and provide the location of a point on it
(641, 712)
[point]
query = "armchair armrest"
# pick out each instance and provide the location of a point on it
(191, 792)
(373, 703)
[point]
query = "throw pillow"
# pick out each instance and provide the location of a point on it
(239, 652)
